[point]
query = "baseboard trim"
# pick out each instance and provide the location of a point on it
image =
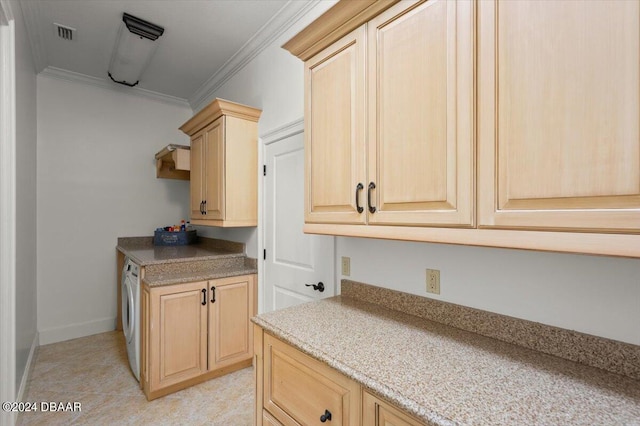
(28, 368)
(74, 331)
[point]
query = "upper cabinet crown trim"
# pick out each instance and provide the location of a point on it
(335, 23)
(218, 108)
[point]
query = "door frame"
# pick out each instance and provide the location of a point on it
(7, 210)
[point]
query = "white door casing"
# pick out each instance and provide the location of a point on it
(293, 258)
(7, 212)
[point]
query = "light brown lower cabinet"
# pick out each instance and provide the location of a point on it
(294, 389)
(380, 413)
(194, 332)
(268, 420)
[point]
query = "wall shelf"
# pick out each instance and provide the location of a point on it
(173, 162)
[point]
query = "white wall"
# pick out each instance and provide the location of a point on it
(96, 182)
(596, 295)
(273, 81)
(593, 294)
(26, 252)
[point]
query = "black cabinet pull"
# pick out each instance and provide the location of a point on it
(359, 188)
(372, 185)
(326, 416)
(204, 296)
(204, 211)
(213, 294)
(201, 207)
(319, 287)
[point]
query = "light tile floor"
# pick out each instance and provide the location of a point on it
(94, 371)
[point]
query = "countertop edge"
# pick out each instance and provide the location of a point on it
(194, 277)
(140, 262)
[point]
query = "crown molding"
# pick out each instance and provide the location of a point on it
(31, 17)
(217, 108)
(288, 15)
(283, 132)
(62, 74)
(334, 24)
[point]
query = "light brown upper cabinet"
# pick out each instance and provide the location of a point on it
(420, 114)
(389, 113)
(559, 115)
(335, 140)
(224, 164)
(469, 122)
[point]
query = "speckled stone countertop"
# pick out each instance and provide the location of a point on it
(447, 376)
(142, 251)
(193, 274)
(208, 259)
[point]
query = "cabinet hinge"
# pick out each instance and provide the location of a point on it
(264, 254)
(264, 170)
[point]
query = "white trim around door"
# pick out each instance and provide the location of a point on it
(7, 211)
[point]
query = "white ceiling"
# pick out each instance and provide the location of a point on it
(201, 37)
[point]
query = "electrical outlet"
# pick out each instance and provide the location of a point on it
(346, 266)
(433, 281)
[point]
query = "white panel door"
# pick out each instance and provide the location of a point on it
(293, 259)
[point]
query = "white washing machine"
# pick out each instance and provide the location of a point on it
(131, 313)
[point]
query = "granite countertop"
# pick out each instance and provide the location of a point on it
(142, 251)
(206, 260)
(447, 376)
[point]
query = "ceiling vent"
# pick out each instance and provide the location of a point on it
(64, 32)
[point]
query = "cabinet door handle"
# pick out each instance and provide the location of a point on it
(326, 416)
(213, 294)
(372, 186)
(204, 296)
(204, 211)
(201, 206)
(359, 188)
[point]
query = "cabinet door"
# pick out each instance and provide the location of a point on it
(197, 177)
(376, 412)
(232, 306)
(214, 164)
(178, 334)
(420, 111)
(300, 390)
(559, 108)
(268, 420)
(334, 136)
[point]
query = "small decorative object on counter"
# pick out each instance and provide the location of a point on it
(177, 235)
